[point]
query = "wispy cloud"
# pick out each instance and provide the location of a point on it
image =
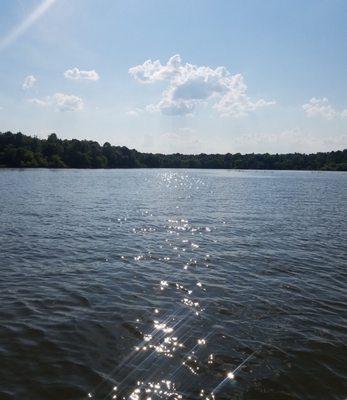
(60, 102)
(19, 29)
(135, 112)
(132, 113)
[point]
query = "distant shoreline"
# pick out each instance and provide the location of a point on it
(2, 168)
(22, 151)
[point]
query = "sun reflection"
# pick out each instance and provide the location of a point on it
(163, 284)
(230, 375)
(179, 342)
(164, 389)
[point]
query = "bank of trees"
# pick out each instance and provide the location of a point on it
(18, 150)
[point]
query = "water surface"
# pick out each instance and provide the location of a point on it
(155, 284)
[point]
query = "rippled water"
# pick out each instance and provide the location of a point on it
(170, 284)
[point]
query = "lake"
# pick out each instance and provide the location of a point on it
(173, 284)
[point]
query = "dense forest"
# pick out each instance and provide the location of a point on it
(18, 150)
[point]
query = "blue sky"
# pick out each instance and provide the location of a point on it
(231, 76)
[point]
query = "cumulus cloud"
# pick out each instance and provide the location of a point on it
(319, 107)
(60, 102)
(67, 102)
(29, 82)
(76, 74)
(190, 85)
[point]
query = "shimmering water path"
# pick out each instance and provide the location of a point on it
(172, 284)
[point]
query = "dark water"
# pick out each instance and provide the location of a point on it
(161, 282)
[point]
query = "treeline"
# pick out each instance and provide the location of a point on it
(18, 150)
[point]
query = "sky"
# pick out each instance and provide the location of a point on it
(202, 76)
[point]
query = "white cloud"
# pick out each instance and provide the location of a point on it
(39, 102)
(191, 85)
(134, 112)
(60, 102)
(67, 102)
(322, 108)
(319, 107)
(150, 71)
(29, 82)
(77, 74)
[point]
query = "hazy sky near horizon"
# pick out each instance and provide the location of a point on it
(177, 75)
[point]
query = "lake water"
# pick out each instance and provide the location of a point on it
(157, 284)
